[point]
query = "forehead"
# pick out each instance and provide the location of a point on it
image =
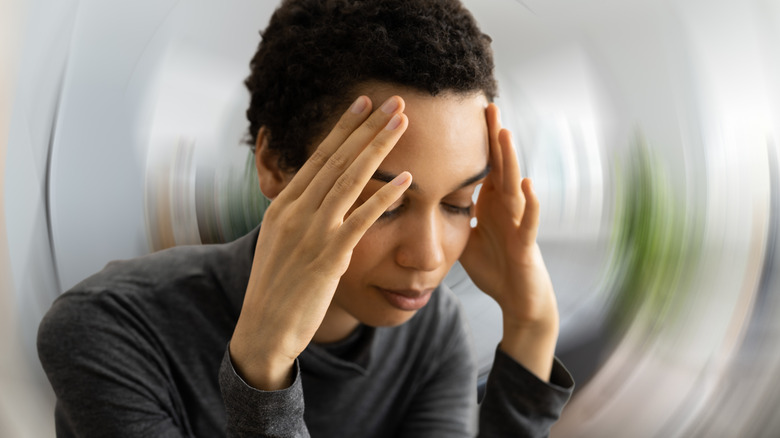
(446, 138)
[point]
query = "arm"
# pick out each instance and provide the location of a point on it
(504, 261)
(306, 242)
(112, 376)
(518, 403)
(304, 247)
(255, 413)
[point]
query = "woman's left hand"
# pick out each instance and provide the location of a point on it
(504, 260)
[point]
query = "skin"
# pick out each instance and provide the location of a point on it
(339, 241)
(422, 234)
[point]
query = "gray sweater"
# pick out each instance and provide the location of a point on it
(140, 349)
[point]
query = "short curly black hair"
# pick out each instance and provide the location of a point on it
(314, 53)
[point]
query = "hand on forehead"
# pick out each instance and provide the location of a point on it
(446, 142)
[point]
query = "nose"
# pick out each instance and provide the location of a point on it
(421, 246)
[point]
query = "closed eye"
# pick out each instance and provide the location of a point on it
(449, 208)
(455, 209)
(389, 214)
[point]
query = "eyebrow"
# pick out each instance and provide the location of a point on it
(387, 177)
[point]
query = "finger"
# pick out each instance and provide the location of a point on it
(346, 189)
(361, 219)
(349, 121)
(529, 227)
(495, 157)
(365, 135)
(511, 166)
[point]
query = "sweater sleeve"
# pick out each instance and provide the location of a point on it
(516, 402)
(255, 413)
(519, 404)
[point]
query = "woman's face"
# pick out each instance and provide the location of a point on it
(409, 250)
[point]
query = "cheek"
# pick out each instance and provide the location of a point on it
(456, 237)
(370, 250)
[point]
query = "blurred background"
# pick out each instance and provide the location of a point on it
(650, 128)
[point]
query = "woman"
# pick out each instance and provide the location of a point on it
(372, 126)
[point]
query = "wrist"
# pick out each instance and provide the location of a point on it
(547, 326)
(531, 345)
(266, 372)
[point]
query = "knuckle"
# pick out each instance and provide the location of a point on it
(270, 214)
(275, 210)
(287, 221)
(380, 146)
(318, 158)
(374, 123)
(337, 162)
(287, 227)
(344, 184)
(344, 125)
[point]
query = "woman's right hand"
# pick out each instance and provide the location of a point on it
(307, 238)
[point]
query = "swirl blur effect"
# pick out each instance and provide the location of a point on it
(650, 129)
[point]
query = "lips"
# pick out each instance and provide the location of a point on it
(407, 299)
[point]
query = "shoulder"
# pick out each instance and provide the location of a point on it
(151, 277)
(161, 269)
(179, 269)
(177, 283)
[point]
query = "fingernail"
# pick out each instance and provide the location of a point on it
(390, 105)
(394, 122)
(401, 179)
(360, 105)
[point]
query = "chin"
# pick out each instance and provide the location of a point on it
(391, 318)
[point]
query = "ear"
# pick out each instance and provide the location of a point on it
(271, 177)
